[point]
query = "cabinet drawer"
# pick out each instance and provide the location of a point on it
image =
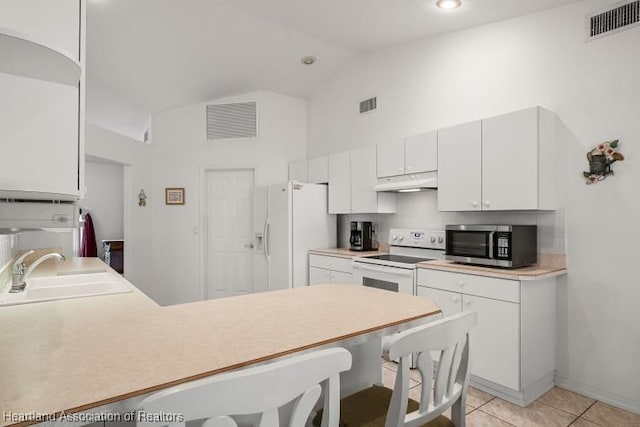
(330, 263)
(489, 287)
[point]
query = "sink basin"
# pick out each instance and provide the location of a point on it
(40, 289)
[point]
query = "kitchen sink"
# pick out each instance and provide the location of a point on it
(40, 289)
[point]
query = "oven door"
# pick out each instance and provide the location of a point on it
(382, 277)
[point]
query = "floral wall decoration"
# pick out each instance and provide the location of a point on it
(600, 160)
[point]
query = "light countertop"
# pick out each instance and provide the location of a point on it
(78, 354)
(346, 253)
(536, 272)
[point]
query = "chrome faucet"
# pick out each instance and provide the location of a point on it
(20, 275)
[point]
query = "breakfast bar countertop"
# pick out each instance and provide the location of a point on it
(79, 354)
(535, 272)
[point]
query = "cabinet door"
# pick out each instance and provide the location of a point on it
(363, 178)
(390, 157)
(318, 170)
(510, 161)
(51, 23)
(340, 277)
(421, 152)
(449, 302)
(495, 341)
(40, 136)
(340, 183)
(319, 276)
(459, 168)
(298, 171)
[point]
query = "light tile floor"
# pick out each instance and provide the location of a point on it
(556, 408)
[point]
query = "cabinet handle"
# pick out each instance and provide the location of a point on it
(461, 283)
(487, 203)
(408, 168)
(468, 302)
(474, 204)
(400, 170)
(455, 299)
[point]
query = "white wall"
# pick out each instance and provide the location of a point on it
(104, 200)
(540, 59)
(136, 160)
(181, 153)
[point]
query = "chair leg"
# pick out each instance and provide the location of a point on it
(458, 413)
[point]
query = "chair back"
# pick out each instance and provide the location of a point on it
(448, 337)
(260, 390)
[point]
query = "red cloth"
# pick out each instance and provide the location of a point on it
(88, 248)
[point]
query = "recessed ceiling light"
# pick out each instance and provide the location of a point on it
(449, 4)
(308, 60)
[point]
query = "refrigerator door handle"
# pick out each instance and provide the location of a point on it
(265, 234)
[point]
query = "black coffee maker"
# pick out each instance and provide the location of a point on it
(361, 238)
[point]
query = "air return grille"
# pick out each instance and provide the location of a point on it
(622, 17)
(232, 121)
(368, 105)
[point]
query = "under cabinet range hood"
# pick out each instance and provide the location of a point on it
(408, 183)
(24, 216)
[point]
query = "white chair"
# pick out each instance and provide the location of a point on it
(380, 406)
(259, 390)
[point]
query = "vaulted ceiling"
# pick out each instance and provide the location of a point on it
(149, 55)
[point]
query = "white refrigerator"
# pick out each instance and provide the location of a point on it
(289, 220)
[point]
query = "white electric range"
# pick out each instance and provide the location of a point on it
(397, 271)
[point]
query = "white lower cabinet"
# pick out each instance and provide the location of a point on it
(327, 269)
(495, 341)
(513, 344)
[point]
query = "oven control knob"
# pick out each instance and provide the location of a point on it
(401, 238)
(433, 239)
(395, 237)
(440, 239)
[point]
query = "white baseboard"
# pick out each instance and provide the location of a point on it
(521, 398)
(613, 399)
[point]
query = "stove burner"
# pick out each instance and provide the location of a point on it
(400, 258)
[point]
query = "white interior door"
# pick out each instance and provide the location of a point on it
(229, 232)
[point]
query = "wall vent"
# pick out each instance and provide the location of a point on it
(232, 121)
(624, 16)
(368, 105)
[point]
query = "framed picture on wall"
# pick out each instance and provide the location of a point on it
(174, 196)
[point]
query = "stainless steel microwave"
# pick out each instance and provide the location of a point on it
(495, 245)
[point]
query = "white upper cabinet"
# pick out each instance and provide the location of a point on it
(518, 160)
(41, 121)
(414, 154)
(352, 176)
(459, 167)
(363, 179)
(318, 170)
(421, 153)
(298, 171)
(340, 183)
(507, 162)
(390, 159)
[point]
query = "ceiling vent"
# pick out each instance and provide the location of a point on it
(232, 121)
(368, 105)
(624, 16)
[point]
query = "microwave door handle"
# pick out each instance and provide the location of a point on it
(491, 235)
